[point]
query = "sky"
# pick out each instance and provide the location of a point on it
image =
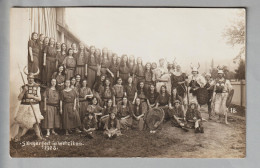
(190, 35)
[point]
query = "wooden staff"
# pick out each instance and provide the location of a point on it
(31, 105)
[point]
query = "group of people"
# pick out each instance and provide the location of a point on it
(83, 89)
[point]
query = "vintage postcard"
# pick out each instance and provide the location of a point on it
(128, 82)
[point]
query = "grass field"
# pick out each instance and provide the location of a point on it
(218, 141)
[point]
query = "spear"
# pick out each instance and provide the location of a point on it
(31, 104)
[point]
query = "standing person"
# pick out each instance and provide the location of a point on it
(107, 93)
(29, 109)
(124, 114)
(43, 68)
(151, 95)
(141, 94)
(75, 49)
(162, 76)
(81, 59)
(130, 90)
(58, 47)
(164, 101)
(40, 42)
(193, 116)
(78, 81)
(110, 55)
(92, 69)
(60, 78)
(62, 54)
(49, 60)
(113, 69)
(139, 72)
(112, 127)
(131, 64)
(99, 87)
(210, 87)
(118, 91)
(70, 64)
(33, 55)
(85, 96)
(148, 76)
(105, 62)
(124, 72)
(196, 81)
(52, 117)
(138, 114)
(178, 82)
(68, 106)
(221, 90)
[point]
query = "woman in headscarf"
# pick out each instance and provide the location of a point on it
(81, 59)
(49, 60)
(70, 64)
(33, 54)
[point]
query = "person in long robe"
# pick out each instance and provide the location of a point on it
(33, 55)
(81, 61)
(124, 71)
(70, 64)
(92, 68)
(52, 118)
(49, 60)
(59, 75)
(68, 106)
(131, 64)
(85, 96)
(40, 42)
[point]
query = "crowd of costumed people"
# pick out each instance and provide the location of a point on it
(82, 89)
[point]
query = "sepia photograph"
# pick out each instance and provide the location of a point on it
(122, 82)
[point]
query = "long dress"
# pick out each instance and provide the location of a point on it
(105, 64)
(70, 118)
(81, 59)
(60, 80)
(114, 69)
(52, 117)
(123, 112)
(70, 64)
(119, 93)
(60, 57)
(41, 47)
(50, 67)
(33, 66)
(139, 74)
(124, 73)
(92, 70)
(178, 78)
(83, 103)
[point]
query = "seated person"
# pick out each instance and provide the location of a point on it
(124, 114)
(95, 108)
(194, 118)
(177, 115)
(112, 126)
(138, 114)
(109, 108)
(89, 125)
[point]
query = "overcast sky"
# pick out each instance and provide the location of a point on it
(190, 35)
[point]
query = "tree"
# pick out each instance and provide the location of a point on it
(241, 70)
(235, 35)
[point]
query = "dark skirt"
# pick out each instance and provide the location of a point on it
(70, 118)
(48, 70)
(52, 118)
(33, 66)
(91, 77)
(81, 71)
